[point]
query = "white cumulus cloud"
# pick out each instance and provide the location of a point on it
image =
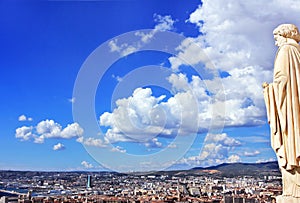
(72, 130)
(253, 153)
(24, 133)
(136, 118)
(48, 129)
(222, 139)
(164, 23)
(87, 165)
(118, 149)
(237, 40)
(118, 78)
(124, 49)
(24, 118)
(58, 146)
(241, 31)
(265, 160)
(217, 149)
(233, 159)
(142, 116)
(72, 100)
(153, 143)
(90, 141)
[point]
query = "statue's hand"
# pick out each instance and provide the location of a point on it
(264, 85)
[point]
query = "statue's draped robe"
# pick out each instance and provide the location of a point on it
(283, 109)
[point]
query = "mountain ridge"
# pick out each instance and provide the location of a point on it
(242, 169)
(271, 164)
(229, 170)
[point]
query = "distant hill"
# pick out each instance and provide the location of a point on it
(265, 165)
(229, 170)
(243, 169)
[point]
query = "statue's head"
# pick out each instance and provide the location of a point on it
(284, 31)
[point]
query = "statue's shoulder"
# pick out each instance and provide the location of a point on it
(289, 47)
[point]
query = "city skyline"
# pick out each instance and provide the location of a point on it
(193, 99)
(168, 186)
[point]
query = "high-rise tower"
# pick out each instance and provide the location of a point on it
(89, 181)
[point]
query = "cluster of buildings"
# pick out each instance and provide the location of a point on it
(114, 187)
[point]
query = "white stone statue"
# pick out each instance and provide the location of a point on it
(282, 98)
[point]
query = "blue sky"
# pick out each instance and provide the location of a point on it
(165, 108)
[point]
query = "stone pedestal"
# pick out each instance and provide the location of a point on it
(287, 199)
